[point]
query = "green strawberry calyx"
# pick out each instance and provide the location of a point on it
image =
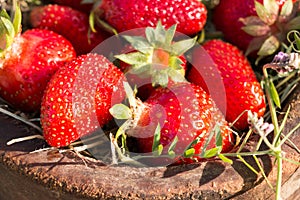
(10, 27)
(157, 55)
(271, 25)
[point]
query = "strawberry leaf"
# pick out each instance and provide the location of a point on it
(176, 76)
(160, 77)
(256, 30)
(269, 46)
(150, 34)
(143, 70)
(264, 14)
(272, 7)
(170, 35)
(17, 19)
(255, 44)
(159, 34)
(286, 9)
(120, 111)
(179, 48)
(134, 58)
(175, 63)
(251, 20)
(139, 43)
(7, 31)
(294, 24)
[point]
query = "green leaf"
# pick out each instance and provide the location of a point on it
(176, 63)
(189, 153)
(274, 94)
(8, 29)
(271, 6)
(120, 111)
(156, 138)
(176, 76)
(17, 19)
(150, 35)
(255, 44)
(251, 20)
(179, 48)
(160, 77)
(159, 34)
(287, 8)
(139, 43)
(269, 47)
(143, 70)
(225, 159)
(264, 14)
(170, 35)
(294, 24)
(4, 14)
(134, 58)
(256, 30)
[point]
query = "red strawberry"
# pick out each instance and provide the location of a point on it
(243, 91)
(189, 15)
(184, 111)
(78, 98)
(242, 24)
(76, 4)
(27, 63)
(72, 24)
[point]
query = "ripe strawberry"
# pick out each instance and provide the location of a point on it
(243, 91)
(78, 98)
(189, 15)
(253, 26)
(72, 24)
(27, 62)
(76, 4)
(184, 111)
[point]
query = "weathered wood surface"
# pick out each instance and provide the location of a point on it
(25, 175)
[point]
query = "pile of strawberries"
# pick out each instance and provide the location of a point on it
(181, 110)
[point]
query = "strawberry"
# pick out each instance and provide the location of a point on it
(76, 4)
(78, 98)
(189, 15)
(72, 24)
(154, 59)
(187, 116)
(256, 26)
(243, 91)
(27, 62)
